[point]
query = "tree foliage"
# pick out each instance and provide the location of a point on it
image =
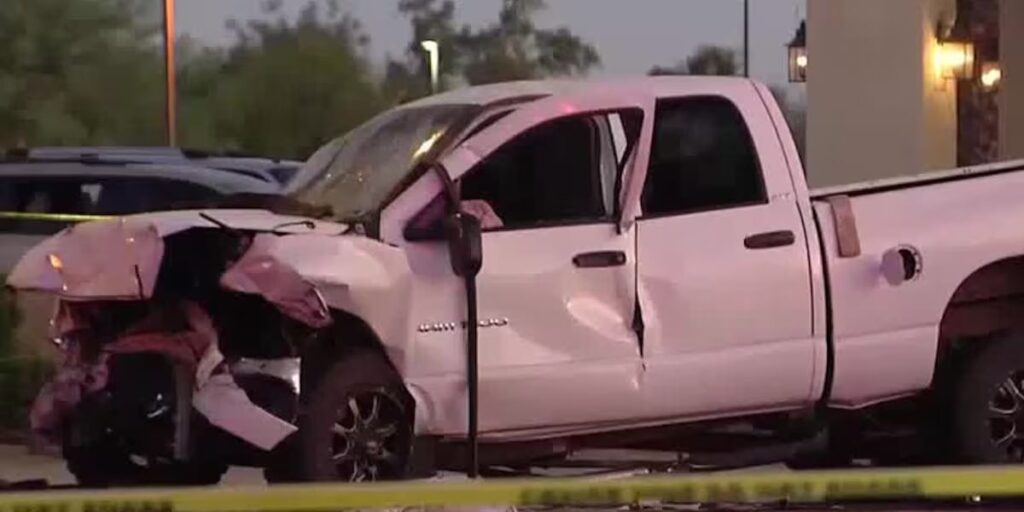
(284, 87)
(707, 60)
(512, 48)
(74, 71)
(722, 61)
(88, 72)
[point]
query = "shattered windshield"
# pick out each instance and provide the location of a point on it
(356, 172)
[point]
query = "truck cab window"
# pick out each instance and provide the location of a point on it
(549, 174)
(703, 158)
(562, 171)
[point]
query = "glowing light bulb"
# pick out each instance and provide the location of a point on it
(56, 262)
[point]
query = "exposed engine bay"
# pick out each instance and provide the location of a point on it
(171, 343)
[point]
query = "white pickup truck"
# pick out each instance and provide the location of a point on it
(655, 273)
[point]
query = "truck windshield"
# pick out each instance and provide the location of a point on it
(356, 172)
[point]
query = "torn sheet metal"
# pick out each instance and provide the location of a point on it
(288, 369)
(59, 397)
(357, 275)
(185, 347)
(80, 375)
(303, 273)
(258, 272)
(118, 259)
(227, 406)
(217, 396)
(112, 260)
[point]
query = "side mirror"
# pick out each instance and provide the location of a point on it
(464, 243)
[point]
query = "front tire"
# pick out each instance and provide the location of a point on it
(358, 423)
(988, 405)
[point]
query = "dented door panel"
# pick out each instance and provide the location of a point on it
(555, 340)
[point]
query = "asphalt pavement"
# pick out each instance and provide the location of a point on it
(16, 463)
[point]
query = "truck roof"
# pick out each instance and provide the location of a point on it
(660, 85)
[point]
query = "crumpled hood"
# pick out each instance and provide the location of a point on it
(119, 258)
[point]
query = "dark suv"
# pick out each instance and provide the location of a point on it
(43, 190)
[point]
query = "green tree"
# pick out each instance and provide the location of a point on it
(433, 20)
(285, 86)
(79, 72)
(707, 60)
(200, 72)
(512, 48)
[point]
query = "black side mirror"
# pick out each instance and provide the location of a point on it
(464, 244)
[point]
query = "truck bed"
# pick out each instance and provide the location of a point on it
(927, 178)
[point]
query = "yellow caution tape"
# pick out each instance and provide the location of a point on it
(55, 217)
(810, 487)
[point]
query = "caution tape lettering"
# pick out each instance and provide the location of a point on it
(726, 492)
(93, 506)
(37, 507)
(887, 488)
(824, 487)
(128, 506)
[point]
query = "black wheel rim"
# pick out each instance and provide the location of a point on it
(370, 437)
(1006, 417)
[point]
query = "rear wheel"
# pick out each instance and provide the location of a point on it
(358, 424)
(988, 405)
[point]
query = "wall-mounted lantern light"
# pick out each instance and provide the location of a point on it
(991, 75)
(798, 55)
(954, 58)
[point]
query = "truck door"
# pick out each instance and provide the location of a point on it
(724, 281)
(556, 295)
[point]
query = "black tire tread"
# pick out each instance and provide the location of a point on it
(360, 368)
(971, 443)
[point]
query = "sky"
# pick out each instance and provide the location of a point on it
(631, 35)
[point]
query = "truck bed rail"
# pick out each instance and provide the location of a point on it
(917, 180)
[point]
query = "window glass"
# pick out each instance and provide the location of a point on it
(553, 173)
(88, 196)
(618, 136)
(703, 158)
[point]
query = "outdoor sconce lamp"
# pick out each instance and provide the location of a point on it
(798, 55)
(954, 57)
(991, 75)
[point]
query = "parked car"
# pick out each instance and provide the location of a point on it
(268, 169)
(40, 195)
(531, 268)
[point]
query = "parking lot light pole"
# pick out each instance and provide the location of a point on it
(746, 38)
(171, 91)
(433, 50)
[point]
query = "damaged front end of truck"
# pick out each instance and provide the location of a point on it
(182, 339)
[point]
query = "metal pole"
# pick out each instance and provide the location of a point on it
(171, 111)
(746, 38)
(473, 378)
(433, 50)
